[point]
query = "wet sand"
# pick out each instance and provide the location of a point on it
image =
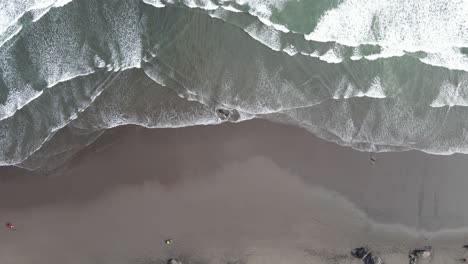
(254, 192)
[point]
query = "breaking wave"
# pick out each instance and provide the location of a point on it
(376, 76)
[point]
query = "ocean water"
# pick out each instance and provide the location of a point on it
(388, 75)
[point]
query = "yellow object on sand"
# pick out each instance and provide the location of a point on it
(168, 241)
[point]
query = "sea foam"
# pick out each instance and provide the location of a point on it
(71, 72)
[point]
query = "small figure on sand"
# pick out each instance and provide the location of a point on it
(173, 261)
(10, 226)
(168, 241)
(372, 159)
(464, 260)
(365, 255)
(360, 252)
(417, 254)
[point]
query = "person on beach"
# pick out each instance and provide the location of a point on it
(10, 226)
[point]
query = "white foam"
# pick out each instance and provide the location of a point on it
(57, 127)
(452, 95)
(17, 100)
(37, 14)
(279, 27)
(450, 59)
(207, 5)
(291, 50)
(155, 3)
(432, 26)
(266, 35)
(262, 9)
(376, 90)
(385, 52)
(345, 89)
(436, 27)
(357, 55)
(341, 88)
(231, 9)
(11, 11)
(331, 56)
(10, 33)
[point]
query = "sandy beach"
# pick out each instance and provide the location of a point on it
(254, 192)
(233, 132)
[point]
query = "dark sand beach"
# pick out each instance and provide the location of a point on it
(240, 130)
(254, 192)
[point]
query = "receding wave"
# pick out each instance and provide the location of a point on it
(72, 69)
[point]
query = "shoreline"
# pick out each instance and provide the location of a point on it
(237, 190)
